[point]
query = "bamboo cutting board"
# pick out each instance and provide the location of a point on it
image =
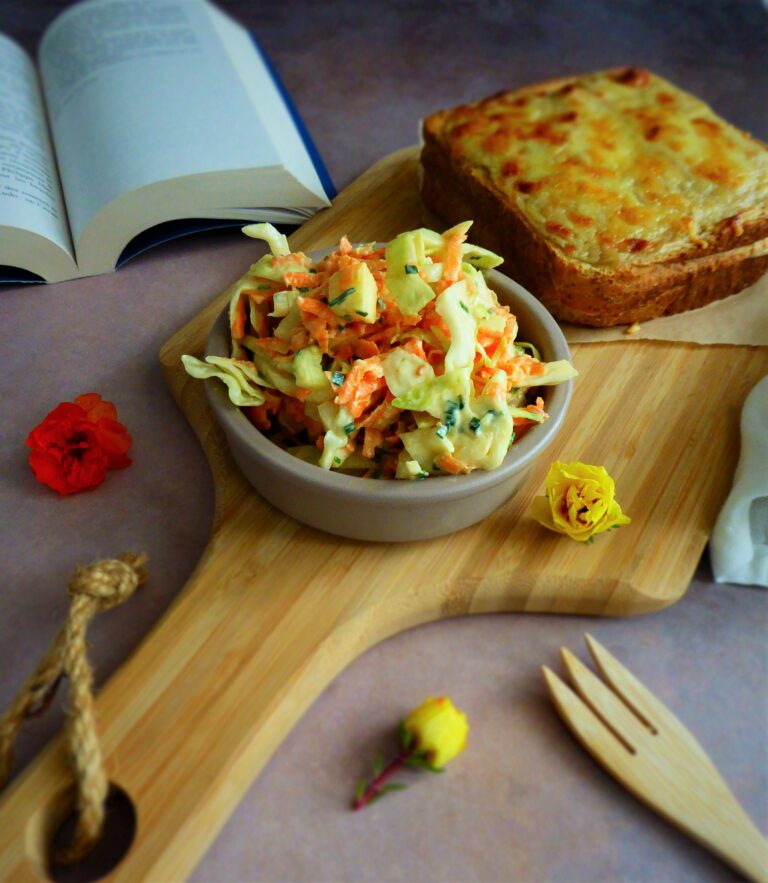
(275, 610)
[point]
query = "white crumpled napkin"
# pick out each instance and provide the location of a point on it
(739, 543)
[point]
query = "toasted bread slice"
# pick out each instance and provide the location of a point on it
(615, 197)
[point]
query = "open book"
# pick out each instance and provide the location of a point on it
(146, 118)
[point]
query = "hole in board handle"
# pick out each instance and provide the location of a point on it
(120, 821)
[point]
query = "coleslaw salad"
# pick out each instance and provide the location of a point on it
(384, 361)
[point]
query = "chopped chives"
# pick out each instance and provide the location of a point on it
(461, 304)
(361, 312)
(342, 297)
(349, 428)
(337, 378)
(410, 269)
(474, 424)
(337, 461)
(442, 431)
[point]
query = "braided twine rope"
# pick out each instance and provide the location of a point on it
(97, 587)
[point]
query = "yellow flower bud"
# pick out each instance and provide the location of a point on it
(439, 729)
(579, 502)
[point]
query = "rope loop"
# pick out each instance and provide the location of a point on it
(99, 586)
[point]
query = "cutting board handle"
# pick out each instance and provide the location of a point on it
(189, 721)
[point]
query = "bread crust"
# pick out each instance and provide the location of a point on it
(575, 291)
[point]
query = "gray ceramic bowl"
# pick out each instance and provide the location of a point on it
(394, 511)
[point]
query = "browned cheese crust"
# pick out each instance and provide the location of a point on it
(614, 197)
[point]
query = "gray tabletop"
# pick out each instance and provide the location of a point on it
(524, 803)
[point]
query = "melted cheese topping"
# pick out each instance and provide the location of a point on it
(615, 168)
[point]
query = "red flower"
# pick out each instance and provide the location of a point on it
(72, 449)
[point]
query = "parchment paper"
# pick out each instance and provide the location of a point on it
(740, 320)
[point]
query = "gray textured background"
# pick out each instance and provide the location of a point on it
(524, 803)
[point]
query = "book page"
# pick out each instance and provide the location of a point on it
(30, 198)
(258, 81)
(141, 91)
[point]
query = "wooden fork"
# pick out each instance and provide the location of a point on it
(643, 745)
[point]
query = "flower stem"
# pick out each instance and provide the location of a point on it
(377, 784)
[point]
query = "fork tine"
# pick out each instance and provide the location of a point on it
(648, 708)
(605, 703)
(585, 725)
(670, 772)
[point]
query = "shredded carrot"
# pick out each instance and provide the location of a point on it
(521, 424)
(261, 415)
(522, 428)
(258, 309)
(414, 346)
(271, 345)
(382, 415)
(435, 356)
(287, 259)
(488, 340)
(482, 374)
(318, 329)
(365, 377)
(343, 351)
(385, 337)
(497, 389)
(304, 280)
(364, 349)
(238, 318)
(293, 417)
(452, 258)
(452, 464)
(432, 320)
(317, 308)
(520, 367)
(372, 439)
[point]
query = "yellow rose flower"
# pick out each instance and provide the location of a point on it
(439, 730)
(430, 736)
(579, 502)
